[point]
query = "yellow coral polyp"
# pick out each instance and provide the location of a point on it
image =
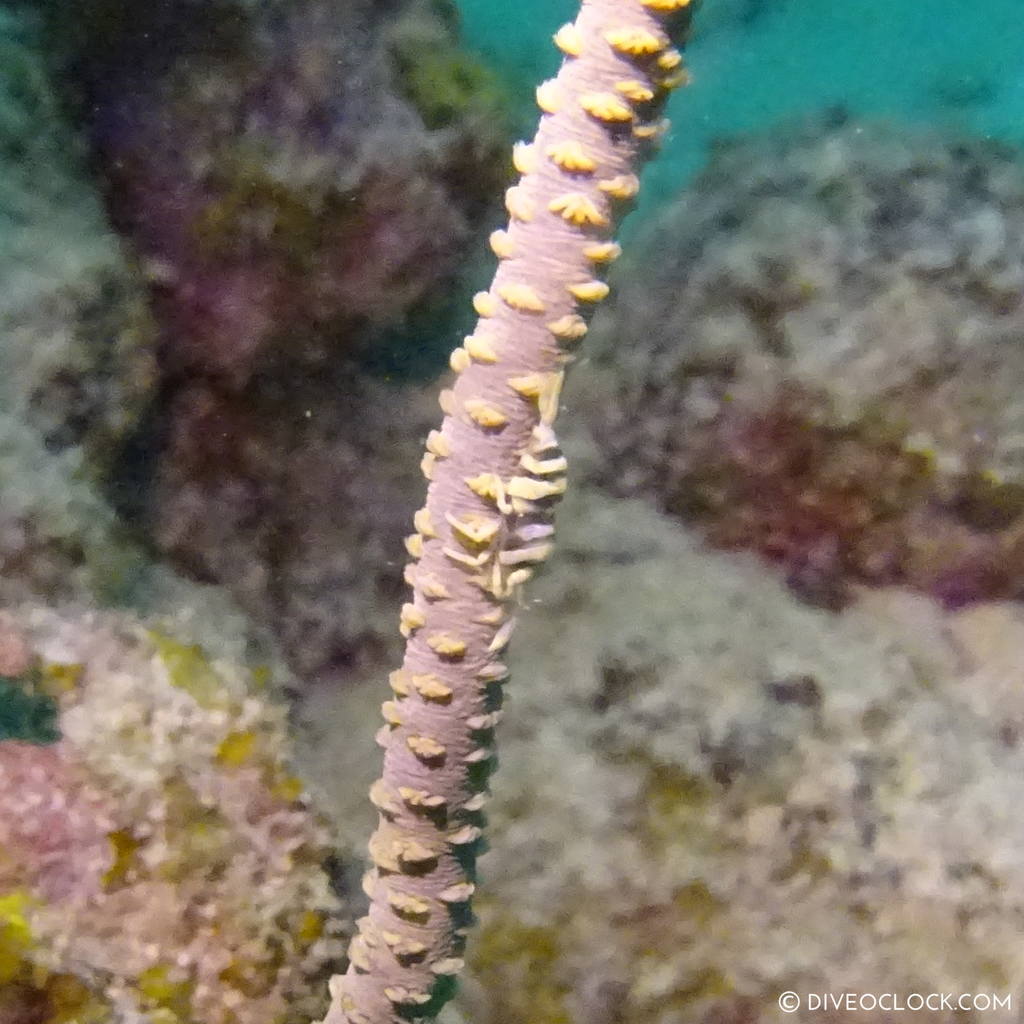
(634, 90)
(459, 361)
(621, 187)
(481, 349)
(485, 304)
(521, 297)
(572, 327)
(502, 245)
(524, 158)
(670, 82)
(589, 291)
(650, 132)
(635, 42)
(549, 97)
(602, 252)
(446, 645)
(607, 107)
(569, 40)
(572, 157)
(670, 60)
(579, 209)
(485, 414)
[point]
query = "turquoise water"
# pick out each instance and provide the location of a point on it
(755, 63)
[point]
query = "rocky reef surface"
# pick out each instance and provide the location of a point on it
(720, 781)
(711, 793)
(815, 354)
(293, 175)
(296, 184)
(301, 182)
(158, 860)
(297, 502)
(77, 362)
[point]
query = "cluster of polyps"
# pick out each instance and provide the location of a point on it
(495, 472)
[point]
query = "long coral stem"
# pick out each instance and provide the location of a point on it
(495, 472)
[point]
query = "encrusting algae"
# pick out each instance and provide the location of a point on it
(157, 855)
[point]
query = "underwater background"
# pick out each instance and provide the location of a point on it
(766, 729)
(756, 63)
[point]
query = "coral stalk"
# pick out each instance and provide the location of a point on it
(496, 470)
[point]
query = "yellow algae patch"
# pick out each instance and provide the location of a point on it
(237, 748)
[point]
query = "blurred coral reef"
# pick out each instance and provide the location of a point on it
(815, 354)
(711, 793)
(765, 730)
(77, 364)
(720, 781)
(304, 522)
(270, 165)
(300, 182)
(158, 860)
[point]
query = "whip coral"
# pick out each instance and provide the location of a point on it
(495, 469)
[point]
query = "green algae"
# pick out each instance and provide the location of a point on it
(804, 862)
(15, 934)
(254, 210)
(447, 86)
(703, 983)
(675, 803)
(457, 93)
(125, 864)
(166, 994)
(519, 965)
(190, 670)
(697, 903)
(446, 83)
(28, 987)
